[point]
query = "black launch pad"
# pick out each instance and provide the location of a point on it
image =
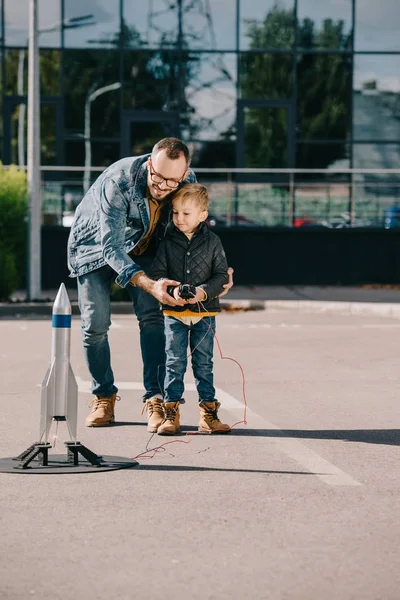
(78, 459)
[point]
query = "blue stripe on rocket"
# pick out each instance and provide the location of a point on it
(61, 321)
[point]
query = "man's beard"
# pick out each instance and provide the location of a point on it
(163, 196)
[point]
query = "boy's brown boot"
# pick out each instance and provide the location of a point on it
(209, 421)
(155, 413)
(171, 424)
(102, 411)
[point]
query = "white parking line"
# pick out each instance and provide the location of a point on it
(304, 456)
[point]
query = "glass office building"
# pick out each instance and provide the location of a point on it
(257, 84)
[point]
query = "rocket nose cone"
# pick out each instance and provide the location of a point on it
(62, 305)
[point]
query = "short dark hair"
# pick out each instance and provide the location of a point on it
(173, 148)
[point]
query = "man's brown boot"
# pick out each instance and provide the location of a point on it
(155, 413)
(171, 424)
(209, 421)
(102, 411)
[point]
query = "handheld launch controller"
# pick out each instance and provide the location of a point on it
(185, 290)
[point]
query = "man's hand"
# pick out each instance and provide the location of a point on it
(158, 289)
(228, 285)
(160, 292)
(199, 297)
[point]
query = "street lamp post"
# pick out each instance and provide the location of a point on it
(35, 205)
(34, 245)
(88, 145)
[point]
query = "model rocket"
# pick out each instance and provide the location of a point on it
(59, 392)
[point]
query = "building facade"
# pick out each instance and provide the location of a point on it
(253, 84)
(266, 83)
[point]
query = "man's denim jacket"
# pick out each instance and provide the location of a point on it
(111, 219)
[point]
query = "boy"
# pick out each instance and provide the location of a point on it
(192, 254)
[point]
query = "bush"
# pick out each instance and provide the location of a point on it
(13, 229)
(8, 274)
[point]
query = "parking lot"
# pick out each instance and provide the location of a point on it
(299, 504)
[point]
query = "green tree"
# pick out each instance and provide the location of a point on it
(13, 229)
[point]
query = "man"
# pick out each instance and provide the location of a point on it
(113, 239)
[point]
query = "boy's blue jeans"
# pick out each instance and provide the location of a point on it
(95, 306)
(200, 339)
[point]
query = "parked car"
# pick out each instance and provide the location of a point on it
(392, 217)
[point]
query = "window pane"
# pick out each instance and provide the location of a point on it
(209, 28)
(18, 135)
(50, 23)
(210, 96)
(150, 23)
(50, 72)
(75, 155)
(16, 16)
(48, 135)
(321, 203)
(266, 76)
(213, 154)
(376, 156)
(323, 96)
(265, 137)
(261, 204)
(152, 80)
(93, 23)
(376, 97)
(144, 134)
(17, 22)
(325, 24)
(87, 75)
(105, 153)
(16, 70)
(377, 25)
(377, 199)
(322, 156)
(266, 24)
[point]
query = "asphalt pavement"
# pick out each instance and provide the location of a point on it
(299, 503)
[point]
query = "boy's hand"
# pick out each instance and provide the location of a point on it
(228, 285)
(176, 294)
(199, 297)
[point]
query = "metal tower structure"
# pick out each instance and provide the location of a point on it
(188, 25)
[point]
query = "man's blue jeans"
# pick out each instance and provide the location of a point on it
(200, 339)
(95, 306)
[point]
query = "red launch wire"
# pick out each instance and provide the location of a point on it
(244, 420)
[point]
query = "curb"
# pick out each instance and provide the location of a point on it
(383, 309)
(19, 310)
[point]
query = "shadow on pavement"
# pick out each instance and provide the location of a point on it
(368, 436)
(127, 423)
(148, 467)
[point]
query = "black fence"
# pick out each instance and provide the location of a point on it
(275, 256)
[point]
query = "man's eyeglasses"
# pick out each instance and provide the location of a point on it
(157, 178)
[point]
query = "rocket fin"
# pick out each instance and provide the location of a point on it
(72, 404)
(47, 402)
